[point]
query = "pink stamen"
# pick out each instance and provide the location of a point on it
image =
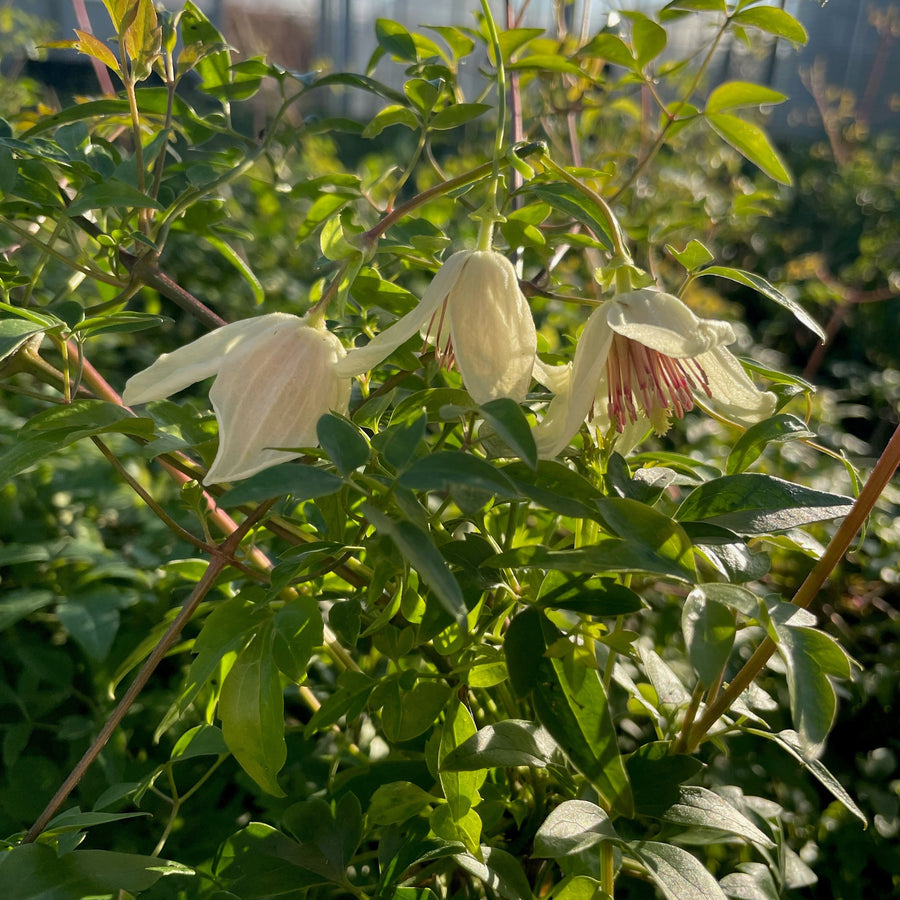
(643, 380)
(443, 345)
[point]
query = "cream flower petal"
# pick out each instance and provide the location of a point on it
(361, 359)
(733, 393)
(554, 378)
(271, 393)
(193, 362)
(569, 409)
(662, 322)
(491, 328)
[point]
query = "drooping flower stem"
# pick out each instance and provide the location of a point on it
(807, 592)
(490, 213)
(616, 234)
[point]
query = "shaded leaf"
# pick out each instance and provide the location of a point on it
(512, 742)
(573, 827)
(302, 482)
(251, 708)
(677, 874)
(417, 547)
(709, 631)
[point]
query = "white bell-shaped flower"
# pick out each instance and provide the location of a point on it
(640, 359)
(478, 320)
(275, 376)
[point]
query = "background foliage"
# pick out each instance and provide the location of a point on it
(311, 734)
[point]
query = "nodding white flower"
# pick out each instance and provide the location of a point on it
(478, 320)
(640, 360)
(275, 377)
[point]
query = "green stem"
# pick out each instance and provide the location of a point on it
(607, 868)
(491, 212)
(807, 592)
(98, 274)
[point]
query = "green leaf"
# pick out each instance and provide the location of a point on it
(545, 62)
(810, 657)
(511, 742)
(709, 629)
(748, 279)
(18, 603)
(394, 803)
(656, 774)
(753, 882)
(612, 555)
(750, 141)
(72, 421)
(448, 469)
(243, 267)
(791, 742)
(417, 547)
(649, 39)
(398, 443)
(298, 630)
(423, 94)
(74, 819)
(645, 527)
(777, 429)
(506, 417)
(677, 874)
(201, 740)
(395, 39)
(460, 786)
(738, 94)
(410, 713)
(611, 48)
(251, 708)
(301, 482)
(466, 829)
(225, 633)
(569, 200)
(343, 442)
(555, 487)
(697, 5)
(577, 715)
(93, 621)
(395, 114)
(110, 192)
(774, 21)
(759, 504)
(260, 863)
(693, 256)
(14, 333)
(363, 82)
(500, 871)
(456, 115)
(592, 597)
(35, 872)
(697, 807)
(572, 828)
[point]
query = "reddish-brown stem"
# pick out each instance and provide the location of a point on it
(834, 553)
(221, 559)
